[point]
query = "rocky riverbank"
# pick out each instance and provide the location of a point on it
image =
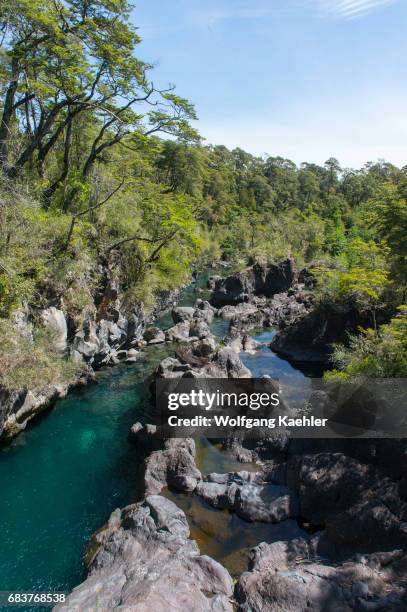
(352, 555)
(107, 334)
(349, 496)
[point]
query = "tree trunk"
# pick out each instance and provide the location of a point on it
(49, 192)
(8, 112)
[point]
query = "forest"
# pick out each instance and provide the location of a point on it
(101, 169)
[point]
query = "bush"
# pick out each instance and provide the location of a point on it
(381, 354)
(28, 362)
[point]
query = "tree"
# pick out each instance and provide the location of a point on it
(282, 176)
(381, 354)
(386, 212)
(65, 58)
(333, 169)
(363, 276)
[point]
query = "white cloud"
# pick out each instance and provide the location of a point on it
(351, 9)
(213, 14)
(211, 17)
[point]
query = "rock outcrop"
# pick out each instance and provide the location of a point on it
(54, 321)
(18, 408)
(288, 576)
(143, 560)
(107, 335)
(310, 337)
(249, 495)
(154, 335)
(174, 467)
(255, 280)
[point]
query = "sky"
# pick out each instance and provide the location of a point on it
(304, 79)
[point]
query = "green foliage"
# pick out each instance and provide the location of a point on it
(70, 64)
(88, 191)
(31, 363)
(362, 274)
(381, 354)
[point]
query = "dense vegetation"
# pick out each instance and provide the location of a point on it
(87, 185)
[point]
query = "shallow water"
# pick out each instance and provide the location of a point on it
(219, 533)
(226, 537)
(64, 475)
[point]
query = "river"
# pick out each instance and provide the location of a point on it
(63, 476)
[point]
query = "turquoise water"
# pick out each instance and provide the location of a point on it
(61, 479)
(64, 475)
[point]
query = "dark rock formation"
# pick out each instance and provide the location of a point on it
(309, 339)
(256, 280)
(154, 335)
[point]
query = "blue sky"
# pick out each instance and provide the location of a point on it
(306, 79)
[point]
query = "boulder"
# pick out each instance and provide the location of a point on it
(247, 494)
(54, 321)
(182, 313)
(232, 290)
(143, 434)
(265, 503)
(229, 361)
(278, 278)
(215, 494)
(205, 347)
(327, 483)
(199, 329)
(143, 560)
(132, 355)
(359, 504)
(174, 467)
(172, 368)
(239, 310)
(98, 342)
(203, 310)
(179, 332)
(257, 280)
(154, 335)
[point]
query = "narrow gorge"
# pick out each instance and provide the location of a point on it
(251, 508)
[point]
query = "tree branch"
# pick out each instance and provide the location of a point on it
(90, 208)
